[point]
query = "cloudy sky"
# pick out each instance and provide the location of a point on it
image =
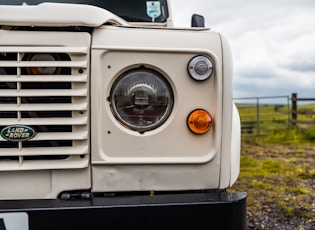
(273, 42)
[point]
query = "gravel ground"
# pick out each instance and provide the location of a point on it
(275, 220)
(265, 212)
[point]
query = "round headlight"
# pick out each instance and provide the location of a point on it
(200, 68)
(43, 70)
(141, 99)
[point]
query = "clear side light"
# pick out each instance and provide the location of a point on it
(141, 99)
(200, 68)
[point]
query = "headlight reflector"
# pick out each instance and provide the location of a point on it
(141, 99)
(200, 68)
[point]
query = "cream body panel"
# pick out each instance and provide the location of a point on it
(54, 42)
(57, 14)
(44, 184)
(235, 146)
(169, 157)
(230, 152)
(172, 142)
(121, 145)
(117, 178)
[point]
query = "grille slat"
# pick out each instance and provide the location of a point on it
(46, 121)
(44, 107)
(59, 136)
(82, 64)
(65, 136)
(73, 162)
(55, 151)
(56, 136)
(44, 49)
(41, 93)
(43, 78)
(54, 105)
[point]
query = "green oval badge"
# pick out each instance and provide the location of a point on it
(18, 133)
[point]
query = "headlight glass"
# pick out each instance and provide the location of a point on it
(141, 99)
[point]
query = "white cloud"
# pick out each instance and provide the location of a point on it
(272, 42)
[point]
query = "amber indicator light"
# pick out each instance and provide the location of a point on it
(199, 121)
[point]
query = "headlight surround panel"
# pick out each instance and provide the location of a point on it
(169, 142)
(141, 99)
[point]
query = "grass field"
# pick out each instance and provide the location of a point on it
(278, 173)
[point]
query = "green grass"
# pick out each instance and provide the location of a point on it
(277, 170)
(292, 135)
(274, 181)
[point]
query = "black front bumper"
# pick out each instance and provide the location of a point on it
(176, 211)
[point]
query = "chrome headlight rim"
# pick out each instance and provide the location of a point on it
(143, 91)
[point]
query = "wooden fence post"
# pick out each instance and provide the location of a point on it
(294, 108)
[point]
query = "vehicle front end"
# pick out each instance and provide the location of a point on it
(102, 115)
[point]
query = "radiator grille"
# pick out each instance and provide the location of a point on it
(55, 105)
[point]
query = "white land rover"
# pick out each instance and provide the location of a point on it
(103, 97)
